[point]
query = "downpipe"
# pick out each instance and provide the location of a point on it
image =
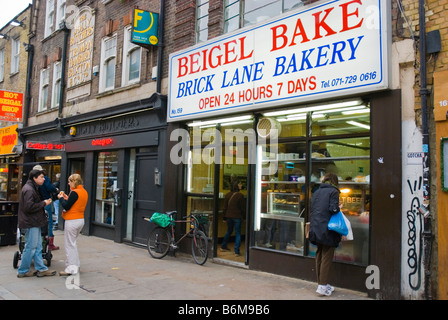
(425, 208)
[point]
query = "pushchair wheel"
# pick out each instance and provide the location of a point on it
(15, 262)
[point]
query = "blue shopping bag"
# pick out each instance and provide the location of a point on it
(337, 223)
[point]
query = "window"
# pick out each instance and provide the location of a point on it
(43, 93)
(2, 65)
(49, 18)
(106, 184)
(56, 84)
(201, 20)
(240, 13)
(131, 61)
(15, 55)
(317, 140)
(108, 61)
(60, 13)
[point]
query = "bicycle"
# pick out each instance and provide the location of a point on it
(162, 238)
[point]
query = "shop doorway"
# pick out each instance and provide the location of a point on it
(146, 195)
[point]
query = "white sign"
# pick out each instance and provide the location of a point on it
(327, 50)
(414, 158)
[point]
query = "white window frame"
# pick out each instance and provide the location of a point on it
(2, 64)
(57, 81)
(107, 56)
(202, 7)
(15, 55)
(60, 12)
(49, 18)
(128, 49)
(44, 86)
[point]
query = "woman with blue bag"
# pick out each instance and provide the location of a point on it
(324, 204)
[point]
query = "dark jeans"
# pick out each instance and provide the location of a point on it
(233, 223)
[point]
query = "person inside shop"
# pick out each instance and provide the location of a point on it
(33, 220)
(48, 190)
(324, 203)
(73, 206)
(234, 212)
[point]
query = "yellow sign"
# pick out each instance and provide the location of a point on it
(440, 95)
(8, 139)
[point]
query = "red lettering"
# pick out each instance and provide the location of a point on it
(282, 36)
(243, 57)
(194, 62)
(302, 32)
(183, 66)
(346, 14)
(227, 51)
(322, 24)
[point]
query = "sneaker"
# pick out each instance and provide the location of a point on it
(224, 249)
(45, 273)
(26, 275)
(331, 288)
(323, 290)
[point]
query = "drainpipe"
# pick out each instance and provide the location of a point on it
(64, 62)
(30, 49)
(160, 49)
(424, 209)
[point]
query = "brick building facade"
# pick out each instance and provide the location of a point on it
(120, 123)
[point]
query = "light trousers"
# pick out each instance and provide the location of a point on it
(324, 259)
(72, 230)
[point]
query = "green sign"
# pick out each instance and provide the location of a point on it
(145, 30)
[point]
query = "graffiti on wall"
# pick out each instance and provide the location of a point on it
(414, 236)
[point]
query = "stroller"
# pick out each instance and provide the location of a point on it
(46, 254)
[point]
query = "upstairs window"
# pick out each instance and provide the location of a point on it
(15, 55)
(57, 71)
(202, 20)
(108, 62)
(240, 13)
(43, 92)
(131, 60)
(2, 65)
(49, 18)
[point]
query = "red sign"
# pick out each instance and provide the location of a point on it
(45, 145)
(102, 142)
(11, 104)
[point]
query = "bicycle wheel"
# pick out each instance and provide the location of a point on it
(159, 242)
(199, 247)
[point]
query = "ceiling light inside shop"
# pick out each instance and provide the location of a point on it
(358, 124)
(343, 104)
(216, 121)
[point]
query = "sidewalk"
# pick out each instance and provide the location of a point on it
(114, 271)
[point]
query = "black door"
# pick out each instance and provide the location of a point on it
(147, 199)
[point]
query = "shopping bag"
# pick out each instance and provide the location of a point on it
(161, 219)
(349, 227)
(337, 223)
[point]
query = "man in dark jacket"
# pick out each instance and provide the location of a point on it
(32, 218)
(325, 203)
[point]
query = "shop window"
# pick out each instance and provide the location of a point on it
(238, 14)
(106, 184)
(289, 171)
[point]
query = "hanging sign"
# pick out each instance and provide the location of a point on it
(11, 106)
(145, 28)
(8, 139)
(325, 50)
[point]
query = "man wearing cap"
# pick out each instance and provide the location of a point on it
(47, 189)
(32, 219)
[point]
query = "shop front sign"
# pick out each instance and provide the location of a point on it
(324, 51)
(8, 139)
(42, 145)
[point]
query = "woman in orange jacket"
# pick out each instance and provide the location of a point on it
(74, 205)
